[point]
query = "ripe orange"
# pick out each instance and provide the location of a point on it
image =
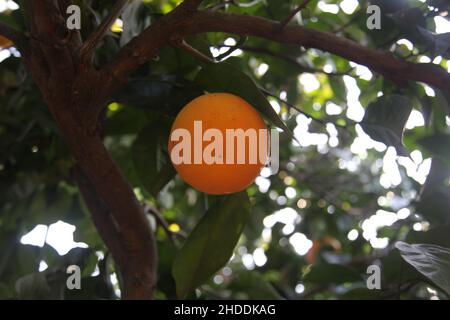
(220, 111)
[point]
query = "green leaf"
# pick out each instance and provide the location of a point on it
(222, 77)
(132, 25)
(163, 177)
(435, 194)
(211, 243)
(443, 98)
(127, 120)
(58, 208)
(362, 294)
(339, 89)
(395, 270)
(165, 94)
(438, 144)
(150, 160)
(331, 273)
(430, 260)
(407, 21)
(385, 120)
(440, 43)
(5, 292)
(254, 286)
(434, 109)
(32, 286)
(145, 93)
(438, 236)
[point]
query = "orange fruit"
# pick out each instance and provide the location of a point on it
(311, 256)
(5, 43)
(212, 162)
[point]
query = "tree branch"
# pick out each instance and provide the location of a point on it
(94, 39)
(148, 43)
(182, 24)
(289, 59)
(118, 210)
(101, 216)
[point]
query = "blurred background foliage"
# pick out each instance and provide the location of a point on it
(340, 202)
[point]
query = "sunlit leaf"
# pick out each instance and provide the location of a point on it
(430, 260)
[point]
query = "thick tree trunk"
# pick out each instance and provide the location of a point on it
(118, 215)
(74, 93)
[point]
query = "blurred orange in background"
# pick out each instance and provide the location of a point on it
(5, 43)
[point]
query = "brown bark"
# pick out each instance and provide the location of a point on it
(72, 90)
(179, 24)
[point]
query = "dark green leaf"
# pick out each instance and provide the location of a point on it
(222, 77)
(385, 120)
(362, 294)
(438, 236)
(150, 160)
(430, 260)
(440, 43)
(435, 195)
(32, 286)
(339, 88)
(254, 286)
(146, 93)
(211, 243)
(128, 120)
(331, 273)
(132, 25)
(438, 144)
(163, 177)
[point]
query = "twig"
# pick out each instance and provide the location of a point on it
(232, 49)
(94, 39)
(270, 94)
(221, 5)
(290, 105)
(182, 44)
(349, 22)
(163, 223)
(293, 14)
(286, 58)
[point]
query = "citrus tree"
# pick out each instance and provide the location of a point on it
(359, 91)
